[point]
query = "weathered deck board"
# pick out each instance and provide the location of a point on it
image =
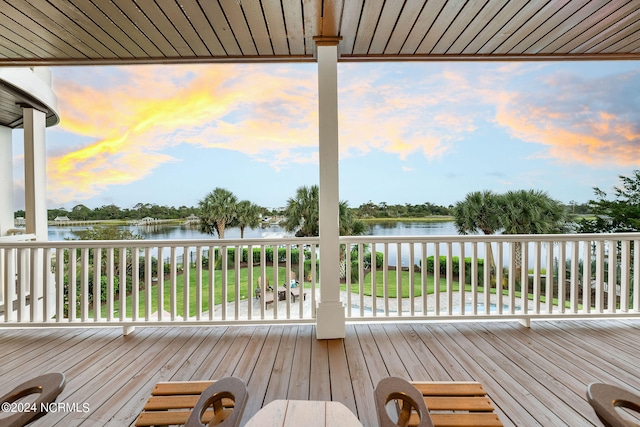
(535, 376)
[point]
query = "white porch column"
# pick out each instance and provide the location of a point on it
(35, 174)
(330, 316)
(6, 181)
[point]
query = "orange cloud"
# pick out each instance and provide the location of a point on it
(136, 113)
(577, 124)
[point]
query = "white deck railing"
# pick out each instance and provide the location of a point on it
(137, 282)
(556, 286)
(167, 282)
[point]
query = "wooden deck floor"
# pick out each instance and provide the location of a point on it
(535, 376)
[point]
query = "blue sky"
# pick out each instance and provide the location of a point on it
(409, 132)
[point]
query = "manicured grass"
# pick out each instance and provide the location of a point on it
(405, 287)
(245, 291)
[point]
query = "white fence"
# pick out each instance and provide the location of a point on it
(167, 282)
(517, 276)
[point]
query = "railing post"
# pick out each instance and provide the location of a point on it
(330, 311)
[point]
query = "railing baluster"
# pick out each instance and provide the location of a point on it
(537, 253)
(512, 277)
(199, 283)
(263, 280)
(314, 279)
(49, 285)
(548, 278)
(237, 272)
(488, 254)
(173, 277)
(361, 277)
(122, 286)
(147, 283)
(575, 271)
(449, 278)
(636, 275)
(160, 283)
(135, 286)
(412, 295)
(562, 276)
(374, 280)
(612, 287)
(186, 281)
(110, 284)
(436, 277)
(59, 284)
(524, 277)
(301, 279)
(462, 280)
(212, 281)
(71, 307)
(97, 283)
(348, 277)
(586, 277)
(250, 282)
(84, 284)
(385, 279)
(399, 278)
(474, 277)
(624, 276)
(423, 278)
(600, 270)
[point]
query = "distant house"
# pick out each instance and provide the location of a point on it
(147, 220)
(61, 219)
(192, 218)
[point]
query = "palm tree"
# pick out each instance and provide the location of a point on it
(302, 212)
(530, 212)
(217, 210)
(479, 210)
(302, 215)
(247, 215)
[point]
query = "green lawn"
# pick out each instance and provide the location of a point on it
(392, 287)
(245, 291)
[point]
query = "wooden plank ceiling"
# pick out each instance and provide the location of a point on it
(76, 32)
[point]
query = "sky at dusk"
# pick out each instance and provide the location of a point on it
(409, 132)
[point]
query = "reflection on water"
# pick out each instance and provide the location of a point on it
(178, 232)
(411, 228)
(173, 232)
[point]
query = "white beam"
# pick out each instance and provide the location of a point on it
(35, 173)
(330, 315)
(6, 181)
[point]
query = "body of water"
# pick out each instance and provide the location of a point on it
(383, 228)
(176, 232)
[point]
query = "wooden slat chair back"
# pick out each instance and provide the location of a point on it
(409, 403)
(171, 403)
(457, 404)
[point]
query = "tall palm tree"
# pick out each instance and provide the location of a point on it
(247, 215)
(302, 215)
(302, 212)
(530, 212)
(480, 210)
(217, 210)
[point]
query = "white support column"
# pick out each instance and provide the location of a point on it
(330, 317)
(35, 183)
(35, 179)
(6, 181)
